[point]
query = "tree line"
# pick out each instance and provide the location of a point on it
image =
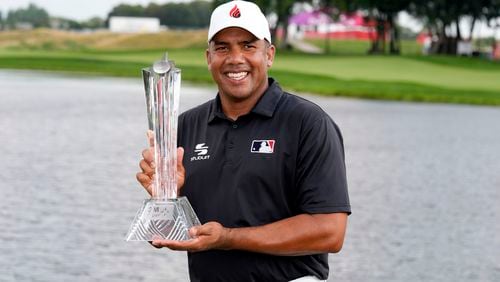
(440, 17)
(33, 15)
(194, 14)
(36, 17)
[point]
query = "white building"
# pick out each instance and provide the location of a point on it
(134, 24)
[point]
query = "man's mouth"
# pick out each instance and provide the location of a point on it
(237, 75)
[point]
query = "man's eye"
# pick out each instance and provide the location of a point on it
(249, 46)
(221, 48)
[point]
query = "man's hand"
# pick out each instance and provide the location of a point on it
(146, 176)
(211, 235)
(299, 235)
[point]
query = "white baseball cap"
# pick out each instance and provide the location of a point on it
(243, 14)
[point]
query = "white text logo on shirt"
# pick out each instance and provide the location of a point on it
(262, 146)
(201, 151)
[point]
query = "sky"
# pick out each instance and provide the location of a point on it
(75, 9)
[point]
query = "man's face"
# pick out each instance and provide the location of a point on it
(238, 62)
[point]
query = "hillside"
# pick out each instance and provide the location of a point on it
(47, 39)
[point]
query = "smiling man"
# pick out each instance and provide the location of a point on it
(239, 62)
(263, 169)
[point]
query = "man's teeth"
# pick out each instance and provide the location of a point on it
(237, 75)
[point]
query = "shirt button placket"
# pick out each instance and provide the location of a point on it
(230, 143)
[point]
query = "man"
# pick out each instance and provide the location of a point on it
(270, 188)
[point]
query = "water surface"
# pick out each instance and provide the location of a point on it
(424, 183)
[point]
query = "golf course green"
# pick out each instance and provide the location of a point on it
(408, 77)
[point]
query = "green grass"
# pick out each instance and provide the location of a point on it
(90, 66)
(394, 69)
(409, 78)
(461, 62)
(359, 47)
(404, 91)
(342, 47)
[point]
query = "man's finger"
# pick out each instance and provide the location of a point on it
(189, 245)
(145, 181)
(181, 171)
(194, 231)
(147, 155)
(151, 138)
(180, 156)
(146, 168)
(151, 243)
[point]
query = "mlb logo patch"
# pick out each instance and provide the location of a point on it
(263, 146)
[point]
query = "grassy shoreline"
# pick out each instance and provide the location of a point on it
(347, 71)
(291, 80)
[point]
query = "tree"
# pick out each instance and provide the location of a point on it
(488, 10)
(283, 10)
(383, 13)
(127, 10)
(492, 12)
(34, 15)
(181, 15)
(93, 23)
(442, 18)
(332, 8)
(177, 15)
(438, 16)
(201, 13)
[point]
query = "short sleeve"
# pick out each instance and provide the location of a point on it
(321, 174)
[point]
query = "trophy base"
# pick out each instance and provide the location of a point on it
(163, 219)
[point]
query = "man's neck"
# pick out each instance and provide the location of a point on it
(236, 108)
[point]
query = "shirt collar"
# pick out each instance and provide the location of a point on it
(265, 106)
(215, 109)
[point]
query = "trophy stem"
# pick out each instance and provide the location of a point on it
(162, 83)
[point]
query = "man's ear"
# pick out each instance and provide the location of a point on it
(207, 56)
(270, 52)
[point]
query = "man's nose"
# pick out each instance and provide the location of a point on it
(236, 56)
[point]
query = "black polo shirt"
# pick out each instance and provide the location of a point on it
(282, 159)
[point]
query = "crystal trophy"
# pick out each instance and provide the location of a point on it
(164, 215)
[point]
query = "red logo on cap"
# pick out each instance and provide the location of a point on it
(235, 12)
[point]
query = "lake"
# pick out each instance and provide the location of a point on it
(424, 183)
